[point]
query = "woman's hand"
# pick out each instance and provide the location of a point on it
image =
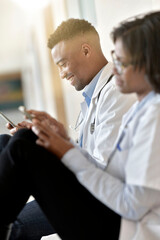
(49, 137)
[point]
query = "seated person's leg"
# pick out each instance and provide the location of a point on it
(70, 208)
(31, 223)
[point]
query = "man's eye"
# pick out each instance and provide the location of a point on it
(63, 64)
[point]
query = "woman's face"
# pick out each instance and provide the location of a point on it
(129, 79)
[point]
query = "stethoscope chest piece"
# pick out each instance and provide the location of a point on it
(92, 126)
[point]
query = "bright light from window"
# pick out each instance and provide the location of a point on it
(31, 4)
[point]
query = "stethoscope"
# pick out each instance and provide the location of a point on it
(80, 119)
(78, 122)
(92, 125)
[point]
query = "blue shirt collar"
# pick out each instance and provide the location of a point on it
(89, 89)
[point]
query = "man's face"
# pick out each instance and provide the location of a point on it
(72, 61)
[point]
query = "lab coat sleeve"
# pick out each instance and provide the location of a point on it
(112, 105)
(129, 201)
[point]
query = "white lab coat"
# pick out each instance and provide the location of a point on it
(107, 111)
(137, 165)
(141, 149)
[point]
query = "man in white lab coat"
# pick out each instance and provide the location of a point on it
(76, 50)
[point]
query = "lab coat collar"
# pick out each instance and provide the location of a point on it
(105, 75)
(89, 89)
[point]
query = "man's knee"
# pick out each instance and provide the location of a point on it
(25, 133)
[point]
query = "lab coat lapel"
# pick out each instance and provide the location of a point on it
(89, 117)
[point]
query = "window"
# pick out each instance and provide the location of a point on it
(82, 9)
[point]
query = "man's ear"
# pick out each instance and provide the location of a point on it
(86, 49)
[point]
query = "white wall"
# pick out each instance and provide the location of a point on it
(36, 72)
(111, 12)
(12, 36)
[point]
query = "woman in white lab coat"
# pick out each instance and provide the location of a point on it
(130, 184)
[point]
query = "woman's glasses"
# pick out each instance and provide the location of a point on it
(118, 64)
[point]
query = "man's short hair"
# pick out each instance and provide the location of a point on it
(69, 29)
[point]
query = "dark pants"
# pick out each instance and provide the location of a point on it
(31, 223)
(4, 139)
(27, 169)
